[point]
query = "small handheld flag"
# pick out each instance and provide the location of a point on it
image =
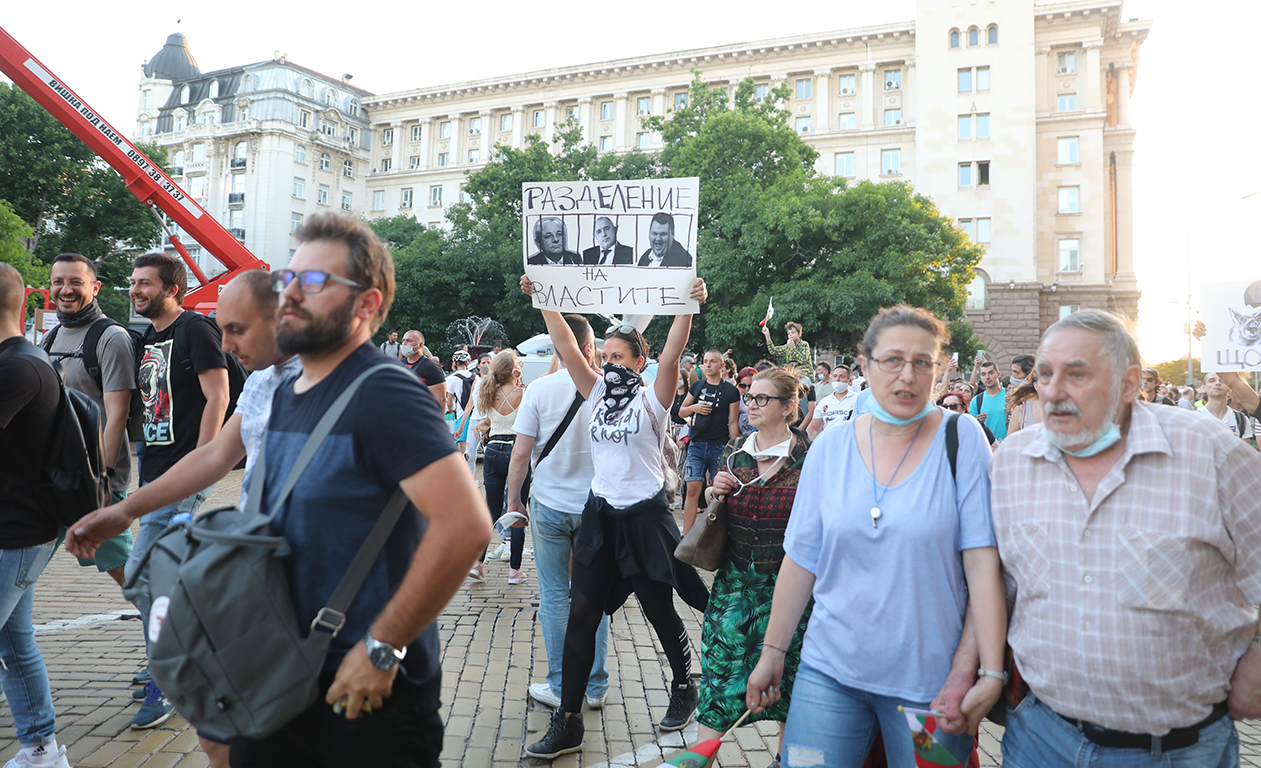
(929, 752)
(770, 312)
(701, 755)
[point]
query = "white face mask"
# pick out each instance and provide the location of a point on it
(840, 387)
(408, 351)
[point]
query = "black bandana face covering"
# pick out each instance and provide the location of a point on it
(80, 318)
(621, 386)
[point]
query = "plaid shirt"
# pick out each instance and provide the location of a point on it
(797, 353)
(1132, 608)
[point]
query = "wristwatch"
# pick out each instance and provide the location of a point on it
(382, 655)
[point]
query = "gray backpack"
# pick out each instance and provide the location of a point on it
(225, 644)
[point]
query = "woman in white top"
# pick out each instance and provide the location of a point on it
(498, 397)
(628, 535)
(472, 415)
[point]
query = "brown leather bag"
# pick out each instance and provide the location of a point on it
(705, 544)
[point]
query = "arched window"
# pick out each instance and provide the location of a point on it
(307, 88)
(348, 169)
(178, 159)
(354, 107)
(181, 120)
(239, 151)
(991, 35)
(330, 97)
(978, 293)
(247, 83)
(184, 92)
(326, 162)
(974, 36)
(954, 38)
(214, 89)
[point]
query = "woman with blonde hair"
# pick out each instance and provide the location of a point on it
(498, 397)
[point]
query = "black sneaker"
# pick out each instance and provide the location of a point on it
(682, 706)
(564, 735)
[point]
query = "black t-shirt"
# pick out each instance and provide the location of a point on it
(29, 395)
(391, 430)
(427, 371)
(803, 406)
(712, 427)
(171, 395)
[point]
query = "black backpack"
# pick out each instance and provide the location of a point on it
(467, 389)
(73, 482)
(91, 340)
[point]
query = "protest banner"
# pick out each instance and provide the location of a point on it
(612, 247)
(1232, 317)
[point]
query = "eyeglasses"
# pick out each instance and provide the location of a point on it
(309, 280)
(625, 328)
(743, 386)
(761, 400)
(895, 364)
(954, 406)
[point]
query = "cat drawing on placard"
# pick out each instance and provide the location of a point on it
(1246, 331)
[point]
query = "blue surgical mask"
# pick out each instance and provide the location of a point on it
(1105, 441)
(879, 412)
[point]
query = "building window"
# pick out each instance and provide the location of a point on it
(197, 186)
(804, 88)
(965, 127)
(974, 36)
(243, 114)
(983, 173)
(1069, 309)
(299, 188)
(387, 137)
(982, 126)
(982, 78)
(354, 107)
(307, 88)
(405, 200)
(954, 38)
(606, 143)
(474, 156)
(1070, 200)
(465, 197)
(413, 162)
(378, 200)
(893, 117)
(299, 154)
(330, 97)
(181, 122)
(643, 105)
(680, 100)
(444, 158)
(606, 110)
(803, 124)
(991, 35)
(848, 84)
(444, 129)
(416, 130)
(845, 165)
(347, 201)
(199, 153)
(146, 98)
(540, 118)
(353, 134)
(177, 161)
(327, 128)
(326, 162)
(891, 161)
(184, 95)
(978, 294)
(761, 91)
(238, 183)
(965, 174)
(965, 80)
(295, 219)
(1070, 255)
(1068, 63)
(505, 121)
(641, 139)
(983, 231)
(571, 113)
(966, 226)
(474, 126)
(386, 165)
(435, 196)
(1068, 102)
(304, 119)
(846, 120)
(893, 79)
(321, 194)
(348, 169)
(1066, 152)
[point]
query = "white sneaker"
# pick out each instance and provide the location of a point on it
(595, 703)
(48, 756)
(542, 693)
(501, 552)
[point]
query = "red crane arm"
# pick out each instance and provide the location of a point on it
(143, 177)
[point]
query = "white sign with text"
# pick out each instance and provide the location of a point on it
(1232, 317)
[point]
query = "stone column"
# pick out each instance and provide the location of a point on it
(867, 96)
(1124, 215)
(620, 120)
(584, 117)
(426, 143)
(1093, 98)
(822, 100)
(549, 122)
(1122, 69)
(486, 115)
(518, 128)
(659, 109)
(457, 143)
(1044, 86)
(910, 93)
(396, 150)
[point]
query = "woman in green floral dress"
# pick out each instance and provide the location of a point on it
(759, 481)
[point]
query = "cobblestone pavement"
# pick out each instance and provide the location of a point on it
(492, 651)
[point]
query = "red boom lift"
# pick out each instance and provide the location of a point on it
(143, 177)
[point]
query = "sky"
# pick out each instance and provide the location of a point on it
(1193, 106)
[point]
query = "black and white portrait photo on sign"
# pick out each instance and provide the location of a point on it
(1232, 317)
(616, 247)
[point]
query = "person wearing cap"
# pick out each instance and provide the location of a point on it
(459, 389)
(1150, 386)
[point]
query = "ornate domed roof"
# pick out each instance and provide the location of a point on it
(174, 61)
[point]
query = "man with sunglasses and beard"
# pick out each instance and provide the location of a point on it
(381, 679)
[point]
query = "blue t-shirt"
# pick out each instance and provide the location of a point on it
(889, 601)
(392, 429)
(995, 406)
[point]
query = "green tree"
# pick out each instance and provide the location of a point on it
(397, 232)
(14, 234)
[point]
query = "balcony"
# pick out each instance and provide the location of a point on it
(237, 232)
(236, 198)
(237, 162)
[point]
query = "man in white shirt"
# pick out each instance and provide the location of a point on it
(837, 407)
(558, 493)
(1218, 406)
(390, 348)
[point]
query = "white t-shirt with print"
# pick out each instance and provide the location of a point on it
(1232, 422)
(833, 410)
(626, 454)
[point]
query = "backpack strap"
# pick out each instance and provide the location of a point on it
(564, 424)
(87, 353)
(952, 443)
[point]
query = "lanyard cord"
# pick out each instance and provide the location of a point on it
(875, 510)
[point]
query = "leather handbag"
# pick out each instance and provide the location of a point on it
(705, 544)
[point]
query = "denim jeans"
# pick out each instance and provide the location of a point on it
(495, 479)
(554, 533)
(151, 526)
(702, 461)
(1036, 737)
(25, 677)
(831, 724)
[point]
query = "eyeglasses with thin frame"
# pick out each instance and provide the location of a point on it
(761, 400)
(743, 386)
(895, 364)
(309, 280)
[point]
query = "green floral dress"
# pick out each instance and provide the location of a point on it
(740, 599)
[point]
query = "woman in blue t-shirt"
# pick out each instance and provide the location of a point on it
(895, 552)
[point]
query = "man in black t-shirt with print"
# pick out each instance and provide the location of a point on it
(714, 404)
(183, 380)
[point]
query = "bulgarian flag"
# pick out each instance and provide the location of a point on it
(699, 756)
(928, 751)
(770, 312)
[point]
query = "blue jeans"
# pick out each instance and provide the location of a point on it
(702, 461)
(495, 478)
(151, 526)
(1036, 737)
(25, 677)
(834, 725)
(554, 533)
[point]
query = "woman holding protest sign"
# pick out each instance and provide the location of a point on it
(628, 536)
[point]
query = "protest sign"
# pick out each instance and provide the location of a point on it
(1232, 317)
(613, 247)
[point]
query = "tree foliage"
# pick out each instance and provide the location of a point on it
(14, 234)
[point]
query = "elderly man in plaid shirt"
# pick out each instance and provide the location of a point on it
(1131, 541)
